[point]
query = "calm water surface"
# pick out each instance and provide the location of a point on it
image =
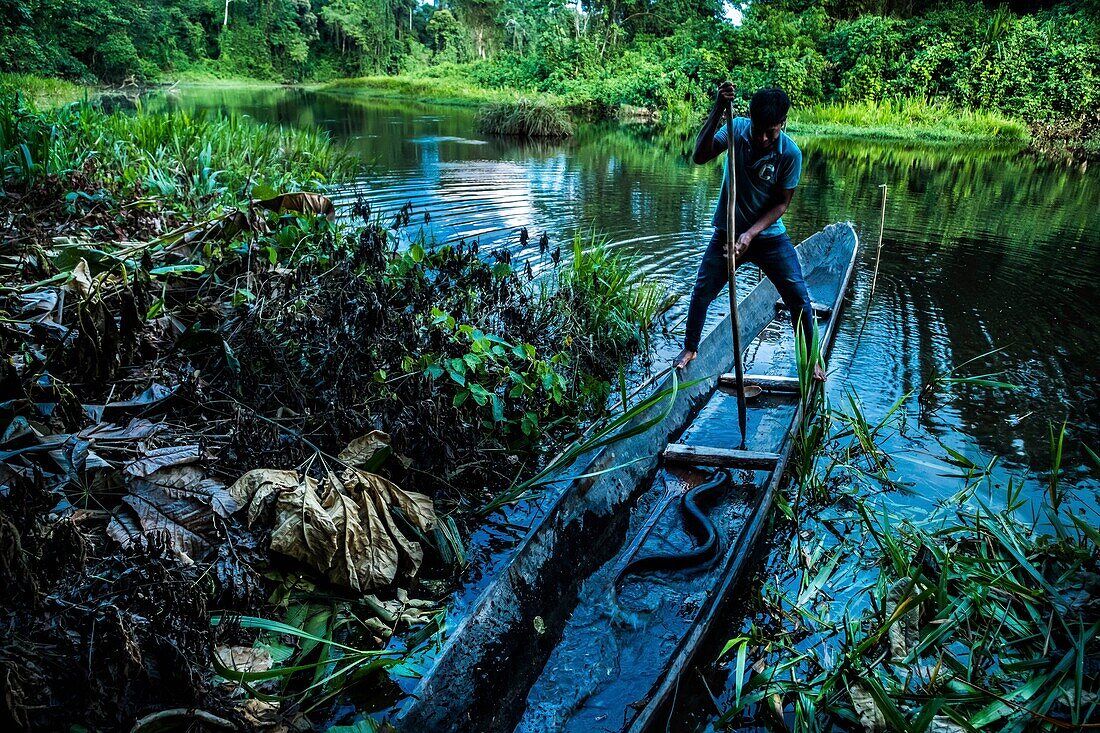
(982, 251)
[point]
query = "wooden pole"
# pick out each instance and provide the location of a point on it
(731, 268)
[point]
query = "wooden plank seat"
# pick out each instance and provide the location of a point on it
(697, 455)
(768, 383)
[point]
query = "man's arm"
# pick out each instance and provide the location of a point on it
(706, 149)
(768, 218)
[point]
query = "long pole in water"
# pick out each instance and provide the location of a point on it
(731, 269)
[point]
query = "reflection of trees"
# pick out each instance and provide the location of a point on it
(1004, 253)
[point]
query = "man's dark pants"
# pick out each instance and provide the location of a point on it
(775, 256)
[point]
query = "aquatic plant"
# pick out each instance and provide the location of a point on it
(525, 117)
(977, 615)
(607, 307)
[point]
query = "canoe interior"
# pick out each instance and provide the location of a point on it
(584, 664)
(614, 650)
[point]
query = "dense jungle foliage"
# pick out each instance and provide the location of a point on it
(1037, 64)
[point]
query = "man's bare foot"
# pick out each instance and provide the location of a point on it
(686, 356)
(819, 373)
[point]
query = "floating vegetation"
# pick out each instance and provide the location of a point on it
(525, 117)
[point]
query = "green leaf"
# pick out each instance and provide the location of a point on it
(262, 192)
(481, 395)
(178, 270)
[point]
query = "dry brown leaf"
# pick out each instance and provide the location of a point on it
(189, 482)
(411, 554)
(82, 279)
(343, 527)
(943, 724)
(870, 717)
(244, 658)
(363, 448)
(256, 487)
(418, 508)
(137, 429)
(159, 458)
(366, 556)
(176, 505)
(261, 714)
(303, 529)
(903, 634)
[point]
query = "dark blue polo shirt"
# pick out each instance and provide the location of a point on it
(759, 179)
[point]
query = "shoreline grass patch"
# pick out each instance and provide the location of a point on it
(191, 163)
(451, 89)
(525, 117)
(907, 119)
(42, 92)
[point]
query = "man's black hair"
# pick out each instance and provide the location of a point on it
(769, 106)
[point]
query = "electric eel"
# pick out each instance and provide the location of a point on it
(698, 525)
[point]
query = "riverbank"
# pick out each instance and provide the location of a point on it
(909, 121)
(903, 120)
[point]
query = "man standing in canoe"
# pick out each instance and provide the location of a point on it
(768, 166)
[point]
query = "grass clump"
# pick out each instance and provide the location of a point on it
(525, 117)
(906, 118)
(607, 308)
(192, 163)
(40, 91)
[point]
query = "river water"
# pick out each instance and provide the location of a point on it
(990, 259)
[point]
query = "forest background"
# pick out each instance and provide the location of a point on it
(1038, 63)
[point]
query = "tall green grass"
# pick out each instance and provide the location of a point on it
(451, 89)
(192, 162)
(525, 117)
(907, 118)
(604, 298)
(40, 91)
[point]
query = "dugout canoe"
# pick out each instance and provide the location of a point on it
(548, 646)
